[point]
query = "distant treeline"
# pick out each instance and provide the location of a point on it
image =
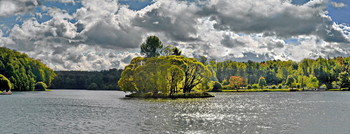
(95, 80)
(332, 72)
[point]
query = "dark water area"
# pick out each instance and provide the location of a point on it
(82, 111)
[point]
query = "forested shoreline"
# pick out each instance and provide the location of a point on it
(22, 73)
(308, 73)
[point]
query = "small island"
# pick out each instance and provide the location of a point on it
(164, 73)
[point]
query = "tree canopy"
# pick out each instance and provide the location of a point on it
(96, 80)
(166, 74)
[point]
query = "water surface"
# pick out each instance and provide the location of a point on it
(81, 111)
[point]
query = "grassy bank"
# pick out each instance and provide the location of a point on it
(343, 89)
(177, 95)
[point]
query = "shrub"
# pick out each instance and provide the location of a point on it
(217, 86)
(226, 87)
(40, 86)
(280, 86)
(255, 86)
(249, 86)
(324, 86)
(92, 86)
(273, 87)
(335, 84)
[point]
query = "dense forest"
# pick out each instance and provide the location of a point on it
(23, 72)
(105, 80)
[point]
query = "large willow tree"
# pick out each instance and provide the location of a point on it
(166, 74)
(22, 71)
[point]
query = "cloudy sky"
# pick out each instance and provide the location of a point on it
(104, 34)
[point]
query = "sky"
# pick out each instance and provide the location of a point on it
(103, 34)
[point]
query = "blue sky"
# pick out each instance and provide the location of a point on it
(103, 34)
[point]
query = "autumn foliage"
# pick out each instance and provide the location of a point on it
(236, 82)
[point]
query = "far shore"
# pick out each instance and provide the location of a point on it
(280, 90)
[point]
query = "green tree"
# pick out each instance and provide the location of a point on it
(152, 47)
(5, 84)
(175, 78)
(127, 82)
(195, 73)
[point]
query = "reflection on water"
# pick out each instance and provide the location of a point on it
(67, 111)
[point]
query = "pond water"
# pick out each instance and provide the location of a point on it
(81, 111)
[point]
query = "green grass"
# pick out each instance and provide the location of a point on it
(343, 89)
(260, 90)
(48, 90)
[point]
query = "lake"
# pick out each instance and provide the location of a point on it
(81, 111)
